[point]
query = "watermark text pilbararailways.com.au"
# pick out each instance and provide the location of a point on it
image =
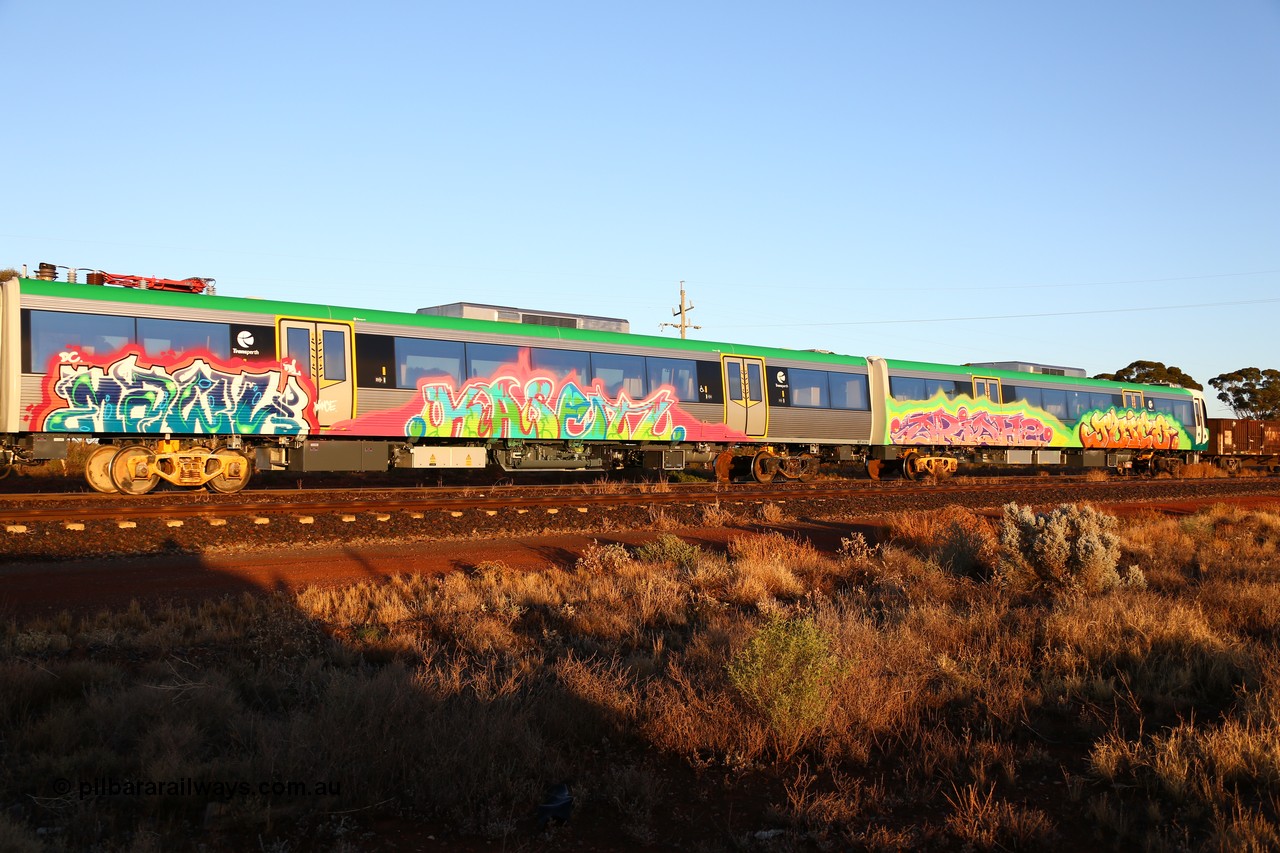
(188, 786)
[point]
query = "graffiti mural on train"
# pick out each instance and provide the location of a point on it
(965, 421)
(194, 393)
(520, 402)
(1131, 430)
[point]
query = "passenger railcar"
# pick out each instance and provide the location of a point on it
(197, 389)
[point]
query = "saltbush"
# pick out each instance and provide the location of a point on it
(1069, 549)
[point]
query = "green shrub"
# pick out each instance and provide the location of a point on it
(666, 548)
(1069, 549)
(787, 672)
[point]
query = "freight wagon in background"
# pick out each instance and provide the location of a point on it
(178, 384)
(1237, 444)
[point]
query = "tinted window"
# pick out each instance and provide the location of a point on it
(486, 360)
(733, 370)
(680, 373)
(946, 386)
(561, 363)
(297, 343)
(1030, 396)
(53, 332)
(907, 388)
(809, 388)
(849, 392)
(1179, 410)
(170, 337)
(755, 381)
(1054, 402)
(1103, 402)
(417, 359)
(618, 373)
(334, 346)
(1077, 404)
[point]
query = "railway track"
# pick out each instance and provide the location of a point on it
(26, 509)
(83, 553)
(63, 526)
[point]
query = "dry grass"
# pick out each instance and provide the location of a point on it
(907, 700)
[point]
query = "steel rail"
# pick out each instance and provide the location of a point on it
(172, 506)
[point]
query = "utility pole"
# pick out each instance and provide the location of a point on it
(683, 313)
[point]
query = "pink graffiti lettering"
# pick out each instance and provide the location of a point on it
(979, 428)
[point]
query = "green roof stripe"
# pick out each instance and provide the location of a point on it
(1017, 375)
(179, 301)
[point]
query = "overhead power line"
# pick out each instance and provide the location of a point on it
(1006, 316)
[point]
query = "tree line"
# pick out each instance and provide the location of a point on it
(1249, 392)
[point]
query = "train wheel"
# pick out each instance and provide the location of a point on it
(235, 473)
(910, 468)
(764, 466)
(97, 469)
(724, 466)
(131, 470)
(873, 468)
(808, 467)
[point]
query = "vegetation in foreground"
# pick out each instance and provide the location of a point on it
(1045, 679)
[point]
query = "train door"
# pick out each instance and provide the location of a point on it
(986, 388)
(1133, 400)
(746, 407)
(324, 351)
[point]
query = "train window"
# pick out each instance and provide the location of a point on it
(333, 343)
(561, 363)
(809, 388)
(755, 381)
(680, 373)
(734, 381)
(297, 343)
(53, 332)
(905, 388)
(1030, 396)
(486, 360)
(1077, 404)
(619, 373)
(1054, 402)
(170, 337)
(1179, 410)
(947, 387)
(418, 359)
(1102, 402)
(849, 392)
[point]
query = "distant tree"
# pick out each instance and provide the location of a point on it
(1250, 392)
(1152, 373)
(8, 273)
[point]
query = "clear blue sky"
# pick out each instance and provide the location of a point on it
(824, 175)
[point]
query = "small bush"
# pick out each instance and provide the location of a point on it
(1070, 549)
(603, 559)
(787, 672)
(667, 548)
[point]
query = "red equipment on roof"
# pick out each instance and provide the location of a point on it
(184, 285)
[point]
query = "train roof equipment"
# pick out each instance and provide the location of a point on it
(1032, 367)
(194, 284)
(504, 314)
